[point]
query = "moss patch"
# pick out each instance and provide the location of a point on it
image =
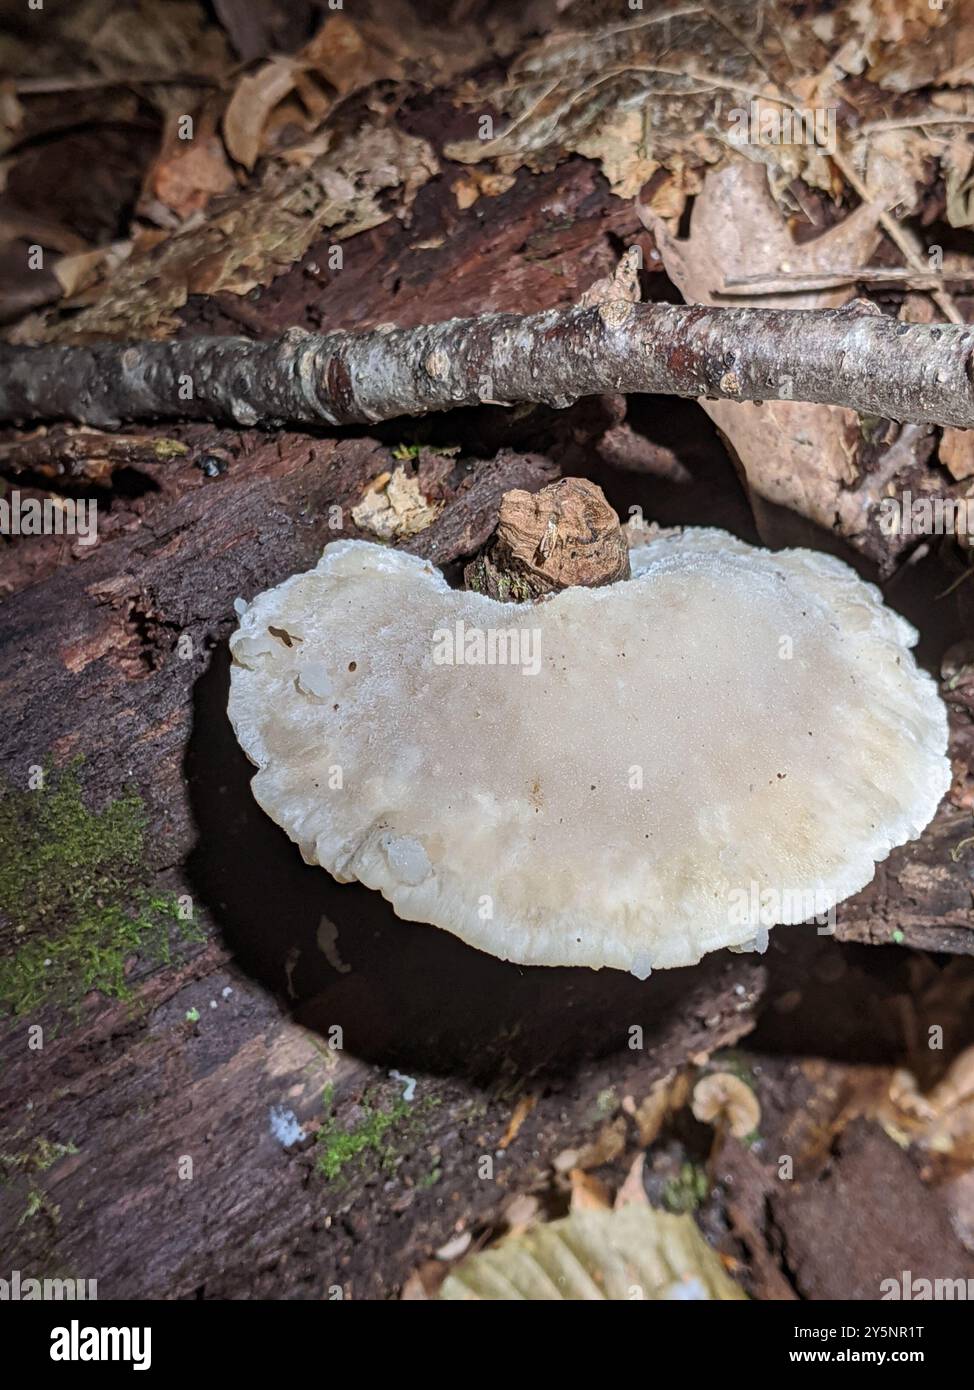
(379, 1136)
(685, 1192)
(73, 896)
(338, 1147)
(40, 1155)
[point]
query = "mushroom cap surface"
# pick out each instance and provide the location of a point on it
(629, 776)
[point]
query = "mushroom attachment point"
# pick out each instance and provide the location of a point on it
(628, 776)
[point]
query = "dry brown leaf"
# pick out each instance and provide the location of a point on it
(257, 234)
(632, 95)
(339, 54)
(957, 453)
(251, 104)
(186, 173)
(620, 147)
(794, 454)
(76, 272)
(187, 181)
(349, 56)
(908, 44)
(664, 87)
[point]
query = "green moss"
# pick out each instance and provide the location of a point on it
(379, 1135)
(338, 1147)
(483, 577)
(40, 1155)
(36, 1203)
(606, 1102)
(405, 452)
(72, 886)
(169, 448)
(685, 1192)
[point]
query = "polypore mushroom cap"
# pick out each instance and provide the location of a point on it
(729, 739)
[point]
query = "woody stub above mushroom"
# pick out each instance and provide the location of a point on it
(699, 741)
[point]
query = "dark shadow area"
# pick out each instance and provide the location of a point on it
(861, 1004)
(687, 478)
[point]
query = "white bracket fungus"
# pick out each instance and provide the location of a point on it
(727, 730)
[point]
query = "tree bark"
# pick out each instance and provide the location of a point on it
(853, 357)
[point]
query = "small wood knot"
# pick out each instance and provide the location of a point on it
(615, 312)
(437, 364)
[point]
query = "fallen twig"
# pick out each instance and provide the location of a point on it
(798, 282)
(854, 357)
(84, 455)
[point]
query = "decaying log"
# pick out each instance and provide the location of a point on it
(853, 357)
(232, 1034)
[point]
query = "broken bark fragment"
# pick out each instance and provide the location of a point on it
(566, 534)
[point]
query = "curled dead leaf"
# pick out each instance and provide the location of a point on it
(339, 55)
(724, 1100)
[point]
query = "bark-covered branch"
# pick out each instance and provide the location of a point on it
(853, 357)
